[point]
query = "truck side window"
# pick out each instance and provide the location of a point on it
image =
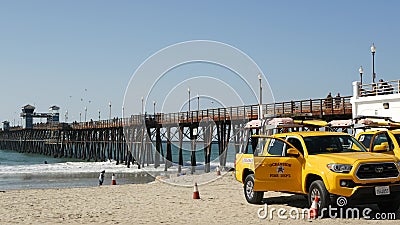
(296, 143)
(382, 138)
(275, 147)
(365, 139)
(254, 143)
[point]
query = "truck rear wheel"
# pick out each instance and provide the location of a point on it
(253, 197)
(318, 188)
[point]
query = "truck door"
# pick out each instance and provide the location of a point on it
(395, 136)
(277, 171)
(381, 142)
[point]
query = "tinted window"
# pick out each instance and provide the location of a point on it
(332, 144)
(380, 138)
(275, 147)
(397, 136)
(251, 145)
(384, 138)
(365, 139)
(296, 143)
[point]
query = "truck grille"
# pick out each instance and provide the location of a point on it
(377, 170)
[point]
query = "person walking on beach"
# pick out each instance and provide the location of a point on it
(101, 177)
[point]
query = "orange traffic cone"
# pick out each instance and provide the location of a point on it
(218, 171)
(113, 181)
(313, 214)
(196, 194)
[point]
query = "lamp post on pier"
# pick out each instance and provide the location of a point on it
(198, 102)
(373, 50)
(99, 114)
(142, 109)
(85, 113)
(189, 98)
(260, 106)
(109, 104)
(80, 117)
(15, 114)
(361, 73)
(154, 104)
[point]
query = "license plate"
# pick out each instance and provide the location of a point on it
(382, 190)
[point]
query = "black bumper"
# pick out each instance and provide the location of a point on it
(366, 195)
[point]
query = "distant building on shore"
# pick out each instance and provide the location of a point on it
(6, 125)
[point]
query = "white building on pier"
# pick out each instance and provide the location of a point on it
(376, 99)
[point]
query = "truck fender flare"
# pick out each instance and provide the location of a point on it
(315, 174)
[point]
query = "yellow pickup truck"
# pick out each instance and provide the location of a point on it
(327, 164)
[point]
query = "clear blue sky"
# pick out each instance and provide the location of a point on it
(51, 51)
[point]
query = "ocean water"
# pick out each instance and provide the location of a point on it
(31, 171)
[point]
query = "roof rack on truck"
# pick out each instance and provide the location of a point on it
(283, 125)
(375, 122)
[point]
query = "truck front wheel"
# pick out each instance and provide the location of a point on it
(253, 197)
(318, 188)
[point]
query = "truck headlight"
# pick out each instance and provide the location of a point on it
(340, 168)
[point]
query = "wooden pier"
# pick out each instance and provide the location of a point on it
(139, 139)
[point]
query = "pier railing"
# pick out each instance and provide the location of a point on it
(311, 108)
(380, 88)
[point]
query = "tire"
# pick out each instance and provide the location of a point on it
(318, 188)
(389, 207)
(253, 197)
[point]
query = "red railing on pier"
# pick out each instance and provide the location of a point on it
(311, 108)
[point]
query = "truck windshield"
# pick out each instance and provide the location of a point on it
(332, 144)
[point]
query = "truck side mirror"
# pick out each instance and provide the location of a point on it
(383, 147)
(292, 152)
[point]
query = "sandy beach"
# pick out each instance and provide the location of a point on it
(222, 202)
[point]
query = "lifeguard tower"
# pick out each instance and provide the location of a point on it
(28, 113)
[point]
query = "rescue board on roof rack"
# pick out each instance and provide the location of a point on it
(317, 123)
(376, 122)
(277, 123)
(284, 122)
(269, 124)
(341, 123)
(280, 121)
(254, 124)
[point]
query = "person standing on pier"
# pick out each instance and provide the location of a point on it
(101, 177)
(385, 87)
(328, 101)
(337, 100)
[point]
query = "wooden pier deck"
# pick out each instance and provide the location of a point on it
(139, 139)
